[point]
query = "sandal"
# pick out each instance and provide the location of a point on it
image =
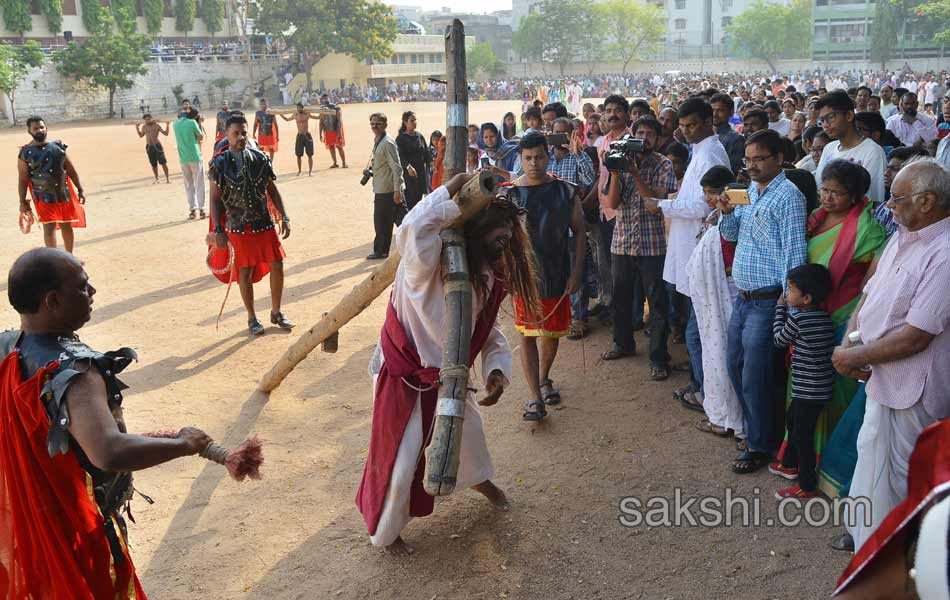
(659, 373)
(616, 353)
(750, 462)
(689, 401)
(708, 426)
(553, 397)
(843, 542)
(577, 331)
(281, 321)
(535, 415)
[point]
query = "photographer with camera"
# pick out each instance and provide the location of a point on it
(386, 172)
(638, 249)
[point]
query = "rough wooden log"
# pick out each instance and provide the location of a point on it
(473, 197)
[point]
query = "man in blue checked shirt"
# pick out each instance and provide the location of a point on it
(771, 241)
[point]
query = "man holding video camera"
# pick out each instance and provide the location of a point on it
(386, 173)
(638, 249)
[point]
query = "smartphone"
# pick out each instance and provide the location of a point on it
(738, 197)
(557, 139)
(485, 162)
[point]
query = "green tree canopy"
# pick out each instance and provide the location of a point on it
(938, 13)
(635, 29)
(16, 16)
(363, 29)
(767, 30)
(53, 9)
(109, 59)
(552, 34)
(184, 15)
(212, 13)
(15, 63)
(528, 41)
(154, 13)
(124, 13)
(92, 12)
(480, 59)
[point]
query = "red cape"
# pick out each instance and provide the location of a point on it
(393, 404)
(52, 538)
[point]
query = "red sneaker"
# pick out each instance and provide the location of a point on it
(776, 468)
(795, 492)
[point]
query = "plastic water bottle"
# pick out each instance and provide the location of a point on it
(855, 339)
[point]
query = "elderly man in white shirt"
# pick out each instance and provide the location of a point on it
(910, 127)
(687, 211)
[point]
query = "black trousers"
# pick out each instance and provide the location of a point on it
(627, 272)
(801, 419)
(385, 214)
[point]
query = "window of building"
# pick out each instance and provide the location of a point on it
(680, 4)
(846, 34)
(726, 22)
(434, 58)
(680, 23)
(415, 58)
(821, 33)
(35, 7)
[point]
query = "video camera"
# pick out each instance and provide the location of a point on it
(622, 152)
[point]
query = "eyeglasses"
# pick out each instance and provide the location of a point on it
(756, 160)
(899, 199)
(833, 194)
(829, 118)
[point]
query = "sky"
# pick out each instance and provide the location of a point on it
(483, 6)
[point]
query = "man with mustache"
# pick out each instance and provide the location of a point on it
(49, 175)
(242, 179)
(911, 127)
(406, 363)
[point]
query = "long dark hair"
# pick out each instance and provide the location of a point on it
(509, 131)
(517, 265)
(405, 117)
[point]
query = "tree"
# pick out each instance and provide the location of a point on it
(184, 15)
(212, 13)
(635, 29)
(593, 44)
(178, 91)
(124, 13)
(154, 14)
(767, 31)
(53, 9)
(938, 14)
(528, 41)
(15, 63)
(552, 35)
(363, 29)
(91, 14)
(16, 16)
(223, 84)
(109, 59)
(481, 59)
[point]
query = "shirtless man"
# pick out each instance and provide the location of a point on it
(304, 138)
(331, 129)
(153, 148)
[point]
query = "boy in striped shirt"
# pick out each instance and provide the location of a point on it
(811, 334)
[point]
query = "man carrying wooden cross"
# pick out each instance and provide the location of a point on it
(406, 364)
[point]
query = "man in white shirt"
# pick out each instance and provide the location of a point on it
(687, 211)
(910, 127)
(776, 121)
(888, 107)
(836, 117)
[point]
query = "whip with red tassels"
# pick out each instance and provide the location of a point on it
(241, 462)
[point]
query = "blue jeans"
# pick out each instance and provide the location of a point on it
(694, 348)
(751, 363)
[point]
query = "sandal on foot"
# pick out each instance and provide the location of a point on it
(750, 462)
(552, 397)
(680, 392)
(616, 352)
(577, 331)
(254, 326)
(534, 411)
(281, 321)
(843, 542)
(659, 373)
(690, 401)
(741, 445)
(709, 427)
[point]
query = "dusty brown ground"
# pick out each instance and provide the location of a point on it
(296, 534)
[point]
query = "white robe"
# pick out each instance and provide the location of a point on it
(419, 300)
(713, 295)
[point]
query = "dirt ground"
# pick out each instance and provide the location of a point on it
(296, 534)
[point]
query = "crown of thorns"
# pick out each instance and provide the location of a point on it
(506, 200)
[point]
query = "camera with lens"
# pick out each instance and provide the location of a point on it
(367, 175)
(622, 152)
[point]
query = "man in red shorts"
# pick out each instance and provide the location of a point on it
(553, 207)
(241, 181)
(265, 129)
(43, 170)
(331, 129)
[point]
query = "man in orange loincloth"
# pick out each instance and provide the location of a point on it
(43, 170)
(265, 129)
(331, 129)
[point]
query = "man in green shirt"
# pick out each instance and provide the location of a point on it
(188, 138)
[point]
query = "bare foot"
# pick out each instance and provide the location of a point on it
(494, 494)
(400, 548)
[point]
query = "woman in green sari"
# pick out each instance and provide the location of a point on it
(843, 236)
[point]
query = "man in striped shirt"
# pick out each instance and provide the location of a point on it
(811, 334)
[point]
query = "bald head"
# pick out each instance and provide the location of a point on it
(926, 175)
(51, 291)
(35, 274)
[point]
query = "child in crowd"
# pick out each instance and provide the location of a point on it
(811, 334)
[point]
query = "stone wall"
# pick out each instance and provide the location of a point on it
(45, 92)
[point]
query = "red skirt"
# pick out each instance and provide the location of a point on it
(267, 143)
(61, 212)
(332, 138)
(252, 249)
(556, 325)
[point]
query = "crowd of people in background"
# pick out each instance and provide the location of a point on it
(793, 233)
